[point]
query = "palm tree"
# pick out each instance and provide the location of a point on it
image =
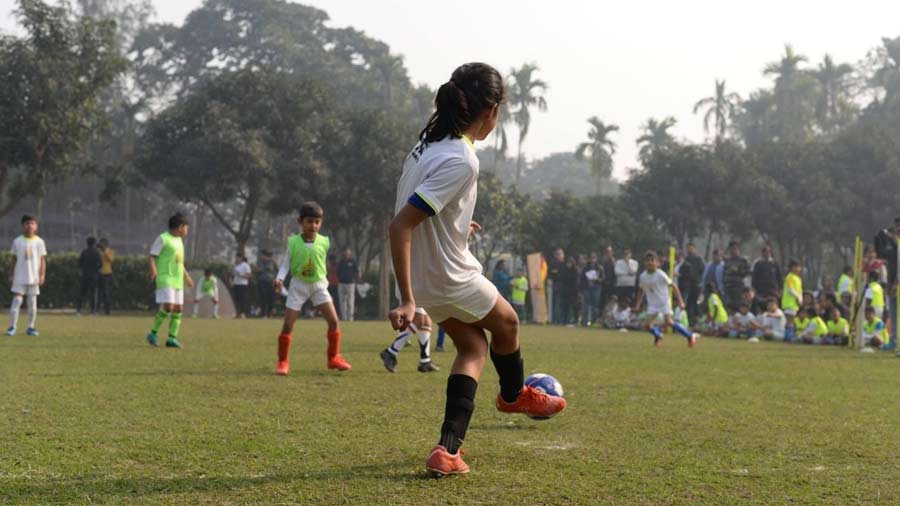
(525, 92)
(656, 136)
(793, 87)
(832, 98)
(721, 108)
(501, 139)
(601, 148)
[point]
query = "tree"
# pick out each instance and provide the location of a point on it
(794, 95)
(50, 85)
(600, 148)
(525, 92)
(720, 108)
(833, 106)
(656, 136)
(234, 142)
(501, 213)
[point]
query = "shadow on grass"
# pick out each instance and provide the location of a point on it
(160, 372)
(504, 427)
(16, 491)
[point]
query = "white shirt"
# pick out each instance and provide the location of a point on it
(240, 270)
(656, 287)
(742, 320)
(626, 272)
(773, 322)
(622, 315)
(444, 174)
(28, 253)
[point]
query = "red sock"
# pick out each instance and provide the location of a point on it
(284, 345)
(334, 343)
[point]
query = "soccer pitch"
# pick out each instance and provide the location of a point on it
(92, 415)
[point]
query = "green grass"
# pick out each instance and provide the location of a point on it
(89, 414)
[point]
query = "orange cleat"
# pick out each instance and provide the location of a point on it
(338, 362)
(283, 368)
(533, 402)
(442, 463)
(692, 341)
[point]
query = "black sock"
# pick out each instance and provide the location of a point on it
(512, 374)
(458, 411)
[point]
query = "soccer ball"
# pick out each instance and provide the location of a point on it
(544, 383)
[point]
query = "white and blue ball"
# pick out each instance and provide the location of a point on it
(546, 384)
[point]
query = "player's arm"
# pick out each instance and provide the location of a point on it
(188, 280)
(283, 270)
(677, 293)
(43, 272)
(638, 300)
(12, 269)
(400, 230)
(152, 271)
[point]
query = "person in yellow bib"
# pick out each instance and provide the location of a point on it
(791, 297)
(519, 291)
(717, 315)
(874, 332)
(304, 260)
(167, 270)
(845, 282)
(208, 288)
(875, 294)
(838, 327)
(811, 328)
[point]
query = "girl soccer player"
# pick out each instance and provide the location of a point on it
(654, 283)
(435, 269)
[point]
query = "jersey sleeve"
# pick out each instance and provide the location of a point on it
(157, 247)
(665, 277)
(42, 248)
(443, 187)
(285, 265)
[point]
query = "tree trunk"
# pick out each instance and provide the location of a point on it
(709, 236)
(519, 164)
(384, 278)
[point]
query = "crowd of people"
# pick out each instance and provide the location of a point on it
(727, 296)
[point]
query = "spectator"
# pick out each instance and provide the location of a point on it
(240, 282)
(771, 324)
(348, 276)
(827, 287)
(875, 294)
(502, 279)
(694, 284)
(569, 292)
(89, 263)
(741, 323)
(873, 334)
(871, 263)
(736, 268)
(609, 275)
(592, 277)
(710, 273)
(717, 316)
(838, 328)
(845, 282)
(626, 276)
(519, 292)
(554, 274)
(266, 271)
(766, 279)
(106, 274)
(333, 283)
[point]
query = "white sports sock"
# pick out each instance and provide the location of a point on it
(400, 341)
(32, 310)
(424, 335)
(14, 310)
(196, 307)
(215, 309)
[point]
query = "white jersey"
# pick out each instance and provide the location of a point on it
(443, 176)
(28, 253)
(742, 320)
(656, 287)
(773, 322)
(239, 273)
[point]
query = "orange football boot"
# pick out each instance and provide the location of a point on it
(532, 402)
(442, 463)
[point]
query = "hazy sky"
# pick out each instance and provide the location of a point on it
(622, 61)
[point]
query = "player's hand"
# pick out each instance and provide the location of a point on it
(41, 280)
(474, 227)
(402, 315)
(152, 276)
(189, 282)
(278, 285)
(215, 301)
(681, 305)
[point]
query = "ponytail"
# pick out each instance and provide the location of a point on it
(459, 102)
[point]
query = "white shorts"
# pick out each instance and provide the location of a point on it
(169, 296)
(662, 310)
(476, 301)
(300, 291)
(789, 312)
(27, 290)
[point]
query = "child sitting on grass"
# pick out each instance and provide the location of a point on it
(771, 324)
(741, 323)
(838, 328)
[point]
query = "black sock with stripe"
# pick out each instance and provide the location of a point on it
(458, 411)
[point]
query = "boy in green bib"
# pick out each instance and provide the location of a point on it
(305, 261)
(167, 270)
(207, 288)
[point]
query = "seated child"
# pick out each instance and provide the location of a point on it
(770, 324)
(838, 328)
(741, 323)
(873, 334)
(622, 314)
(718, 316)
(811, 329)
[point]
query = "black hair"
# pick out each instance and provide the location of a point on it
(177, 220)
(831, 298)
(792, 263)
(311, 209)
(873, 276)
(91, 242)
(870, 310)
(650, 254)
(104, 241)
(848, 269)
(733, 244)
(711, 286)
(27, 217)
(207, 271)
(743, 304)
(472, 88)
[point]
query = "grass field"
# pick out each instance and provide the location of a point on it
(92, 415)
